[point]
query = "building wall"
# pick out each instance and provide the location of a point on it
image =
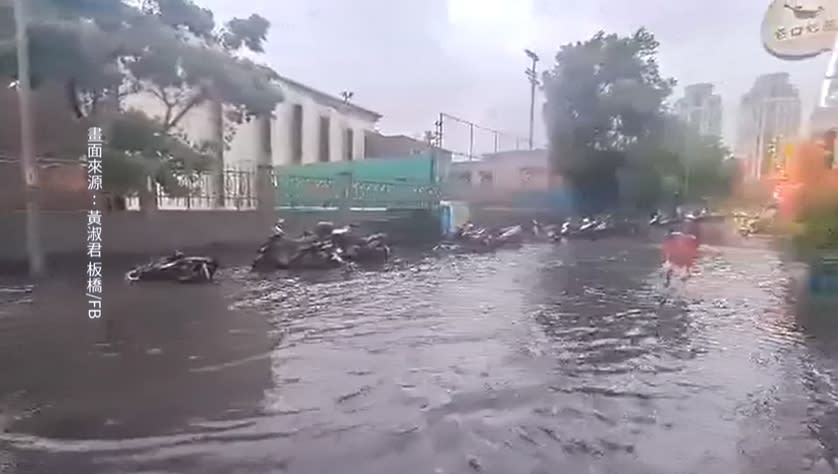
(702, 109)
(769, 112)
(523, 170)
(495, 175)
(400, 146)
(339, 121)
(245, 147)
(392, 146)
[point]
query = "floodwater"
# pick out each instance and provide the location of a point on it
(548, 359)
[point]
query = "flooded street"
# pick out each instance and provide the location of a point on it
(549, 359)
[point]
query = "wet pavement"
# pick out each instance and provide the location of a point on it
(548, 359)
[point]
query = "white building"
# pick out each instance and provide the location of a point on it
(701, 108)
(309, 126)
(769, 115)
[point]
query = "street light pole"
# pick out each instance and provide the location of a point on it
(27, 159)
(533, 76)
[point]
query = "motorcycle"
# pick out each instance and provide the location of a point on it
(537, 230)
(603, 228)
(360, 249)
(661, 220)
(319, 255)
(468, 238)
(749, 227)
(588, 228)
(176, 267)
(307, 251)
(543, 233)
(554, 234)
(567, 230)
(509, 236)
(588, 225)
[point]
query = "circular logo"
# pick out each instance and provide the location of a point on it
(798, 29)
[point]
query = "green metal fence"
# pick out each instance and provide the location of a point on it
(380, 184)
(294, 191)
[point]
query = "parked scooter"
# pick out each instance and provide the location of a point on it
(588, 228)
(545, 233)
(661, 220)
(469, 238)
(509, 236)
(353, 247)
(176, 267)
(308, 251)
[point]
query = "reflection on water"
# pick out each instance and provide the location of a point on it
(549, 359)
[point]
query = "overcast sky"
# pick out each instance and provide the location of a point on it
(412, 59)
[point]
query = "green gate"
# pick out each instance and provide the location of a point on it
(372, 184)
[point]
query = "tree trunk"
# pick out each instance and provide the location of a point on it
(148, 198)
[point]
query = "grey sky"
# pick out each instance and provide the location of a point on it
(411, 59)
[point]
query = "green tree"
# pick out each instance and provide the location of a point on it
(708, 171)
(103, 50)
(603, 96)
(676, 164)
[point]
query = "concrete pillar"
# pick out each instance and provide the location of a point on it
(266, 194)
(217, 122)
(344, 182)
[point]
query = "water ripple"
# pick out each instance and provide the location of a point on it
(551, 358)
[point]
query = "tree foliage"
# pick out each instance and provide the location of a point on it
(603, 96)
(815, 204)
(611, 135)
(676, 163)
(173, 50)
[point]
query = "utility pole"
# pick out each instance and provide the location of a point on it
(439, 129)
(759, 155)
(470, 141)
(533, 76)
(27, 158)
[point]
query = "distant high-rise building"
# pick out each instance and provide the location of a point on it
(702, 109)
(769, 117)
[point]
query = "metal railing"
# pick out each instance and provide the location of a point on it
(64, 187)
(200, 192)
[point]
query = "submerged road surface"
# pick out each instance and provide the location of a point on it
(568, 359)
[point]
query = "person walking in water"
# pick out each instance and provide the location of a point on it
(680, 251)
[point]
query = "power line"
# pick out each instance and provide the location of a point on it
(440, 134)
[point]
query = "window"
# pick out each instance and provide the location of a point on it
(349, 144)
(323, 154)
(463, 177)
(526, 176)
(297, 134)
(486, 178)
(265, 135)
(529, 175)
